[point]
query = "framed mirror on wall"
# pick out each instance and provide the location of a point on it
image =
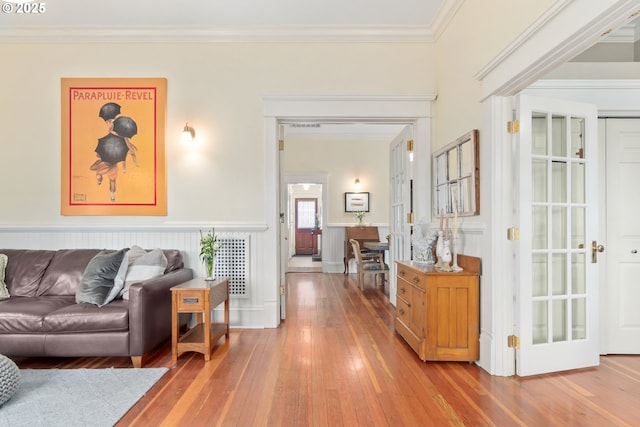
(456, 177)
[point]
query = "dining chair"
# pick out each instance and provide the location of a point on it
(374, 266)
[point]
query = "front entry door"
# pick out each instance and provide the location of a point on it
(557, 295)
(306, 211)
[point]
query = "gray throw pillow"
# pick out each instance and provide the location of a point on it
(97, 279)
(4, 292)
(143, 265)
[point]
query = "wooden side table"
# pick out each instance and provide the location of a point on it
(199, 296)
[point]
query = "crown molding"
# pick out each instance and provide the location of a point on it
(447, 11)
(219, 34)
(587, 84)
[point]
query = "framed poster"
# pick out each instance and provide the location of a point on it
(356, 202)
(113, 158)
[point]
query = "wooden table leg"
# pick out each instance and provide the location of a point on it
(174, 328)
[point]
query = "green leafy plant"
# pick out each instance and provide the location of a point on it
(209, 246)
(360, 216)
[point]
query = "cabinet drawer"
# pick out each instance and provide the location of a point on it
(403, 311)
(404, 289)
(189, 301)
(414, 277)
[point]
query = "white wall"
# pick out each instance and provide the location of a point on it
(343, 160)
(219, 89)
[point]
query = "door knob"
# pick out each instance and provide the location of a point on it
(595, 248)
(634, 251)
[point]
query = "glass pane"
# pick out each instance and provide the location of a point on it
(539, 172)
(559, 136)
(306, 214)
(577, 138)
(560, 321)
(454, 171)
(579, 319)
(441, 169)
(578, 228)
(442, 195)
(559, 227)
(466, 160)
(465, 204)
(539, 219)
(540, 322)
(578, 274)
(577, 183)
(559, 271)
(539, 134)
(559, 181)
(540, 284)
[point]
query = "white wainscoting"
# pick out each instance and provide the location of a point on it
(252, 310)
(246, 311)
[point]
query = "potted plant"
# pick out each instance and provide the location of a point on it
(209, 246)
(360, 216)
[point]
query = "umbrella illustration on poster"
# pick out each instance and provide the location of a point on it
(125, 126)
(112, 149)
(109, 111)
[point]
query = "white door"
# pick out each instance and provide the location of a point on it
(283, 231)
(557, 297)
(399, 227)
(623, 236)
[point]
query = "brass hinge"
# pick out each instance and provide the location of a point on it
(410, 145)
(281, 145)
(410, 217)
(513, 342)
(513, 126)
(281, 290)
(513, 233)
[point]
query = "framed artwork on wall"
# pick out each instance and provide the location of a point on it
(356, 202)
(113, 157)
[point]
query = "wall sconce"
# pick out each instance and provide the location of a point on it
(188, 133)
(357, 183)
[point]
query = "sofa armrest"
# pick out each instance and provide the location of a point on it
(150, 310)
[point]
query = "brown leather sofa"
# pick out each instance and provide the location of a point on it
(41, 318)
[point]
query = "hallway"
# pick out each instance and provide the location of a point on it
(303, 264)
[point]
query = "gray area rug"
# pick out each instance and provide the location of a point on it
(76, 397)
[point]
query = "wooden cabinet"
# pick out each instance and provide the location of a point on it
(200, 297)
(437, 313)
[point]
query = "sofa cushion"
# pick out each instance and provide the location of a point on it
(63, 275)
(78, 318)
(97, 279)
(118, 283)
(26, 314)
(25, 269)
(145, 266)
(4, 292)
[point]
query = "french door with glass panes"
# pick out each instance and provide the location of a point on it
(557, 309)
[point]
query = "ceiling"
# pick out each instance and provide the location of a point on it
(119, 13)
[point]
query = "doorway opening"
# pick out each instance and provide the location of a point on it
(304, 219)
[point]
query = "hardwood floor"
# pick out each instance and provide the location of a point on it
(337, 361)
